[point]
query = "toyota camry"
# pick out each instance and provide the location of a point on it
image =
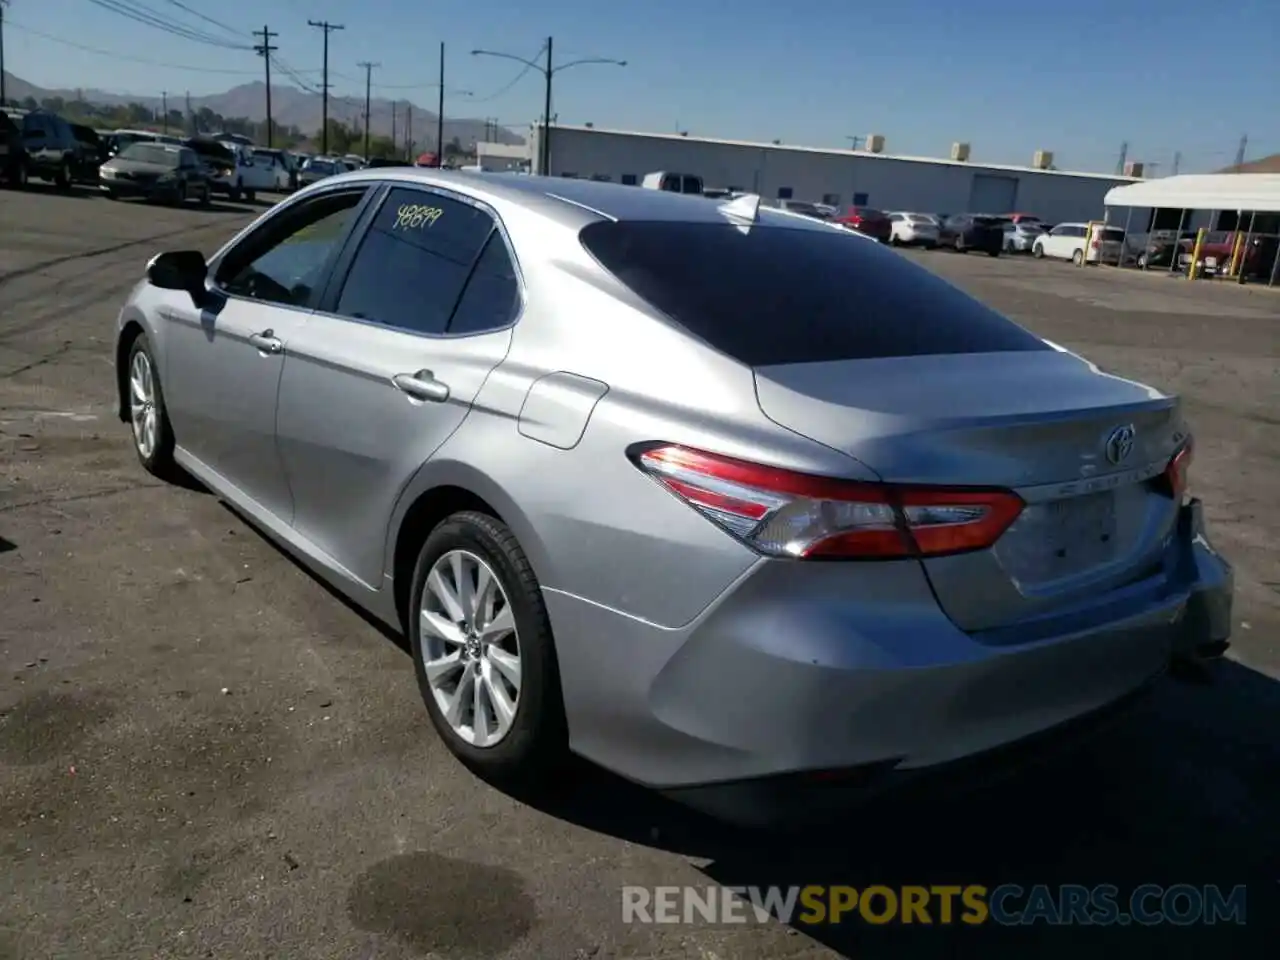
(716, 496)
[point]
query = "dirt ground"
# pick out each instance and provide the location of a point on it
(204, 753)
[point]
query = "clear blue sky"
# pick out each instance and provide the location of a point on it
(1078, 78)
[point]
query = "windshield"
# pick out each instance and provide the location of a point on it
(919, 218)
(319, 166)
(151, 153)
(799, 206)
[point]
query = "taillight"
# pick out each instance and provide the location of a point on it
(1095, 244)
(781, 513)
(1176, 472)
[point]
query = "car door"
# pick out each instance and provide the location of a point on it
(1057, 241)
(37, 138)
(223, 362)
(389, 365)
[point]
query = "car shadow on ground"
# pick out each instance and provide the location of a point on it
(1185, 789)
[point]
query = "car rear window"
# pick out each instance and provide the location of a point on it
(1114, 234)
(775, 295)
(990, 222)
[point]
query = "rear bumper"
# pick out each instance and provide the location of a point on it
(806, 668)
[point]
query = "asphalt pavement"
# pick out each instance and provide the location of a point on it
(205, 753)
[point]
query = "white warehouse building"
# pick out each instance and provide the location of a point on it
(840, 178)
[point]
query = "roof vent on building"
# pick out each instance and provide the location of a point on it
(589, 125)
(875, 143)
(960, 152)
(1043, 160)
(1134, 168)
(684, 133)
(777, 143)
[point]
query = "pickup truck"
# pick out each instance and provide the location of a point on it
(232, 168)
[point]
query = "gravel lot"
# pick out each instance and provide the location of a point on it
(203, 753)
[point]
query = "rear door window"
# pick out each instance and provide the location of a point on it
(414, 261)
(776, 295)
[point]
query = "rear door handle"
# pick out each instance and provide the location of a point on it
(266, 341)
(422, 385)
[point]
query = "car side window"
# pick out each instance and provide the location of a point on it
(491, 297)
(414, 261)
(285, 262)
(895, 218)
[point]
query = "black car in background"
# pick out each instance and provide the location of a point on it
(963, 232)
(13, 167)
(51, 151)
(156, 171)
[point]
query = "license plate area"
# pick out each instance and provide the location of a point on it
(1062, 538)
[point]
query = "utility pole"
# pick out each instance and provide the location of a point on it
(408, 131)
(1124, 155)
(393, 123)
(191, 117)
(164, 110)
(1244, 142)
(265, 50)
(368, 87)
(1177, 162)
(3, 4)
(854, 142)
(327, 28)
(546, 117)
(440, 113)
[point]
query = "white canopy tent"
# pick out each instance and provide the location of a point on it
(1255, 192)
(1255, 196)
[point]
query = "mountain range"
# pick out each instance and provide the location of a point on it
(291, 106)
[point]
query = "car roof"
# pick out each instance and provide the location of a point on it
(572, 201)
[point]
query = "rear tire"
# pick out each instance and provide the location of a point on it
(250, 195)
(536, 740)
(206, 196)
(960, 247)
(1077, 257)
(993, 253)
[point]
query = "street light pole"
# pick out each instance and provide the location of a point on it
(440, 114)
(549, 70)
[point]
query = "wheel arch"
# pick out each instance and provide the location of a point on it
(439, 489)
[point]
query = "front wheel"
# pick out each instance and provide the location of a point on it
(960, 248)
(483, 650)
(152, 433)
(206, 196)
(62, 180)
(234, 193)
(1038, 252)
(1078, 257)
(993, 253)
(250, 195)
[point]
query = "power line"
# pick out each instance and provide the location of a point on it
(217, 23)
(140, 13)
(264, 50)
(13, 25)
(326, 28)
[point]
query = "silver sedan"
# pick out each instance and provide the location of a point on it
(716, 496)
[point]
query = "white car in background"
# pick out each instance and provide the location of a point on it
(912, 230)
(1068, 241)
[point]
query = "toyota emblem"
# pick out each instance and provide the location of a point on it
(1120, 443)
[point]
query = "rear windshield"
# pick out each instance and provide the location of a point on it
(151, 153)
(1113, 234)
(919, 218)
(777, 295)
(990, 221)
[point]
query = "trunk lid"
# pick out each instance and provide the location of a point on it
(1040, 423)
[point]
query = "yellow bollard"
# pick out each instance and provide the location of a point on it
(1088, 244)
(1195, 254)
(1237, 251)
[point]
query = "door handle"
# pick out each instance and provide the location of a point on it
(266, 341)
(422, 385)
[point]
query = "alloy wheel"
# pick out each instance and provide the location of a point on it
(470, 648)
(142, 404)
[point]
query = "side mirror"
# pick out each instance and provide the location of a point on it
(180, 270)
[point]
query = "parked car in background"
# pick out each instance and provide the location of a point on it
(1162, 246)
(673, 182)
(280, 164)
(866, 220)
(231, 168)
(802, 207)
(13, 153)
(93, 148)
(118, 140)
(847, 533)
(317, 168)
(1020, 236)
(376, 162)
(963, 232)
(1027, 218)
(50, 150)
(156, 171)
(913, 230)
(1068, 241)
